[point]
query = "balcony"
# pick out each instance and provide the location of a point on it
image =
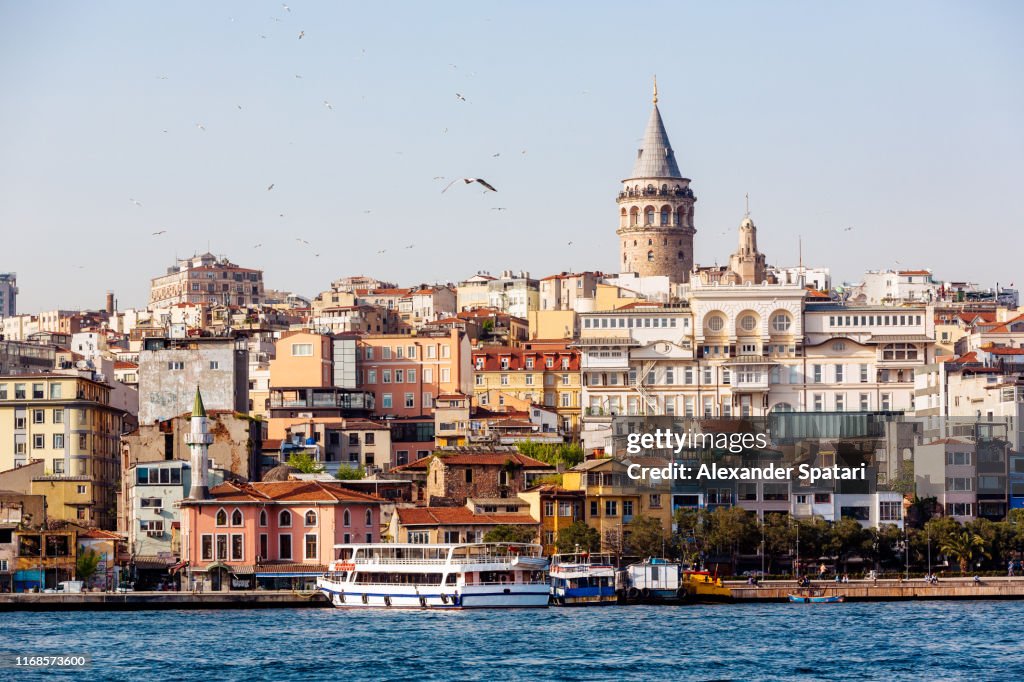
(314, 398)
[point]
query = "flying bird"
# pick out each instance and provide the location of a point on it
(498, 208)
(162, 78)
(439, 177)
(460, 97)
(367, 210)
(298, 76)
(570, 243)
(301, 33)
(201, 126)
(262, 36)
(410, 246)
(159, 233)
(135, 201)
(270, 187)
(328, 105)
(239, 106)
(496, 155)
(300, 239)
(847, 229)
(257, 246)
(286, 8)
(382, 251)
(479, 181)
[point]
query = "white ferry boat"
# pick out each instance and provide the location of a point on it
(582, 579)
(449, 576)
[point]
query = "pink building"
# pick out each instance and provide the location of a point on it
(278, 535)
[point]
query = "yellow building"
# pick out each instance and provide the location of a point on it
(67, 421)
(614, 499)
(555, 509)
(542, 372)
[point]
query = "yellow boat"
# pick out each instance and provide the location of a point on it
(701, 586)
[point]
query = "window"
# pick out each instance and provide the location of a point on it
(748, 323)
(214, 364)
(410, 375)
(264, 547)
(80, 490)
(38, 441)
(840, 403)
(747, 491)
(38, 417)
(237, 518)
(263, 520)
(206, 547)
(346, 518)
(284, 520)
(716, 323)
(58, 416)
(369, 518)
(839, 374)
(58, 466)
(822, 498)
(863, 374)
(418, 537)
(302, 350)
(890, 511)
(175, 365)
(549, 508)
(55, 392)
(221, 518)
(399, 376)
(627, 507)
(781, 322)
(886, 402)
(386, 376)
(58, 441)
(386, 401)
(371, 376)
(19, 391)
(899, 351)
(237, 547)
(611, 508)
(284, 547)
(410, 400)
(819, 402)
(445, 374)
(817, 373)
(222, 547)
(37, 391)
(311, 548)
(865, 402)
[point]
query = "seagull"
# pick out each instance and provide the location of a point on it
(163, 131)
(135, 201)
(262, 36)
(410, 246)
(162, 78)
(496, 155)
(239, 106)
(298, 76)
(270, 187)
(460, 97)
(498, 208)
(382, 251)
(159, 233)
(367, 210)
(201, 127)
(300, 239)
(257, 246)
(328, 105)
(286, 8)
(301, 33)
(570, 244)
(280, 215)
(445, 130)
(847, 229)
(479, 181)
(439, 177)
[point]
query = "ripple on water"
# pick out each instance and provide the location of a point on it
(906, 641)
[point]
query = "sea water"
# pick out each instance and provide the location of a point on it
(978, 640)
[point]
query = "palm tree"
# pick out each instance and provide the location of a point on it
(962, 546)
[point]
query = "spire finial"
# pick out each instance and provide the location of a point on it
(746, 198)
(655, 88)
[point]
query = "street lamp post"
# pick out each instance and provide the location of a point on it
(906, 548)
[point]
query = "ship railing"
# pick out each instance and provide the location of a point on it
(456, 560)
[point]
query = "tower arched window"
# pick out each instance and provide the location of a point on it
(634, 216)
(284, 520)
(222, 517)
(263, 517)
(623, 218)
(664, 242)
(649, 215)
(650, 256)
(634, 242)
(666, 215)
(681, 216)
(369, 518)
(681, 255)
(346, 519)
(311, 518)
(650, 242)
(236, 517)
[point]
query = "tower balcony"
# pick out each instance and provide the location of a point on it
(680, 192)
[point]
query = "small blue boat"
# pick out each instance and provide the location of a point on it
(815, 597)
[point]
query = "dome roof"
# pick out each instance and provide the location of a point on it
(282, 472)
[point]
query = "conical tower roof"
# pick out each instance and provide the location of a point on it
(198, 410)
(655, 159)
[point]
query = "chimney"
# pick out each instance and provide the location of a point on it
(110, 303)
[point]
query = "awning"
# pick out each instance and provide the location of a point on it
(899, 338)
(289, 570)
(174, 568)
(151, 563)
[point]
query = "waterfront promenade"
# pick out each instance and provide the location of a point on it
(141, 601)
(886, 590)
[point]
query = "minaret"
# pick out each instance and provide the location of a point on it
(656, 209)
(199, 439)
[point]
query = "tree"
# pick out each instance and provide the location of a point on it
(964, 547)
(779, 537)
(87, 564)
(578, 534)
(567, 454)
(646, 537)
(732, 528)
(305, 463)
(350, 473)
(847, 537)
(505, 533)
(921, 510)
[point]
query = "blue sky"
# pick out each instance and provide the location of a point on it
(902, 120)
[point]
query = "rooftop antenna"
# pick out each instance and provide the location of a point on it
(800, 242)
(746, 198)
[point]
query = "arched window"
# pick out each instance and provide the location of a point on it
(664, 242)
(650, 256)
(624, 259)
(311, 518)
(781, 322)
(236, 517)
(748, 323)
(666, 214)
(634, 216)
(263, 517)
(782, 407)
(650, 242)
(681, 216)
(681, 255)
(664, 188)
(284, 519)
(222, 517)
(649, 215)
(714, 324)
(623, 218)
(369, 518)
(346, 519)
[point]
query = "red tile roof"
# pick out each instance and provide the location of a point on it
(1004, 351)
(477, 459)
(285, 491)
(462, 516)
